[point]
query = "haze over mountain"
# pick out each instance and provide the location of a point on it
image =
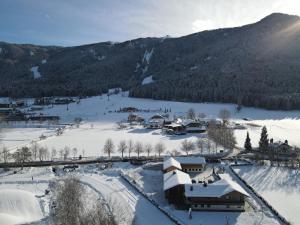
(254, 65)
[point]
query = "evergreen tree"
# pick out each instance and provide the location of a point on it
(247, 145)
(264, 141)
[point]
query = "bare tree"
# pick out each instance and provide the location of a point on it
(187, 146)
(175, 153)
(69, 204)
(191, 114)
(5, 154)
(74, 151)
(109, 147)
(148, 149)
(160, 148)
(53, 153)
(122, 148)
(61, 153)
(66, 152)
(34, 149)
(130, 147)
(201, 144)
(138, 148)
(22, 155)
(43, 153)
(224, 115)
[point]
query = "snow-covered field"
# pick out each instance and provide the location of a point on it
(100, 121)
(23, 200)
(279, 186)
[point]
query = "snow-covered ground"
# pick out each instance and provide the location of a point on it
(147, 80)
(22, 195)
(18, 206)
(100, 121)
(15, 137)
(35, 71)
(279, 186)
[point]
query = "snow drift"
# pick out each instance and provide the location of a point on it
(18, 206)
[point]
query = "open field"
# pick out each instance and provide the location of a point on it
(100, 122)
(279, 186)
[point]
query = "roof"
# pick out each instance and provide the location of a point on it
(157, 116)
(214, 190)
(191, 160)
(174, 178)
(171, 162)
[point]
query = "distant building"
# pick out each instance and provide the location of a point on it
(156, 122)
(135, 118)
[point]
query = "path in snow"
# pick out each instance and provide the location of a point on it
(131, 201)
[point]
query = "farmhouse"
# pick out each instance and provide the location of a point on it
(174, 182)
(156, 122)
(194, 126)
(134, 118)
(221, 195)
(174, 128)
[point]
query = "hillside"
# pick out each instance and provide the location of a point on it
(254, 65)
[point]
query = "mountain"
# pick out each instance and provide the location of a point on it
(253, 65)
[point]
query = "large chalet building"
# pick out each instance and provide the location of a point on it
(221, 195)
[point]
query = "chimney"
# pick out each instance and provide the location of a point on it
(271, 140)
(204, 184)
(286, 142)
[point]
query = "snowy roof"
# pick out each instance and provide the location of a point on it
(171, 162)
(174, 178)
(214, 190)
(191, 160)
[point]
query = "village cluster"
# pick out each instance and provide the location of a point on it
(173, 126)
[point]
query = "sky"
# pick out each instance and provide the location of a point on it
(77, 22)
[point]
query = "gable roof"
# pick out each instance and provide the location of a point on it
(171, 162)
(190, 160)
(214, 190)
(174, 178)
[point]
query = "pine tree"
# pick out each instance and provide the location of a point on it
(247, 145)
(264, 141)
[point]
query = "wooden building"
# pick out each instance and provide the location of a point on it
(174, 182)
(191, 163)
(222, 195)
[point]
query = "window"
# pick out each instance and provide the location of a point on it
(196, 205)
(208, 206)
(202, 206)
(227, 206)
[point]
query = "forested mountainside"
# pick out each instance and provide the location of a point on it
(254, 65)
